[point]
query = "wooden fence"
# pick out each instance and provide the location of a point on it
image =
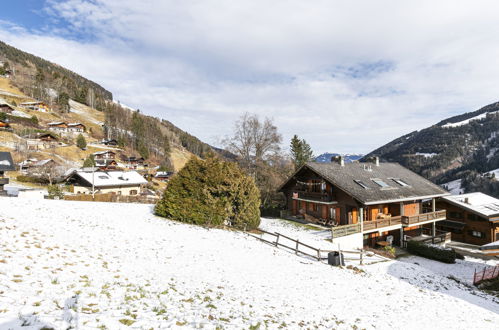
(489, 273)
(304, 249)
(110, 198)
(345, 230)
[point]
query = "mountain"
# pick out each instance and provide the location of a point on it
(463, 147)
(25, 78)
(326, 157)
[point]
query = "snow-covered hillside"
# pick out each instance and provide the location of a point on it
(100, 264)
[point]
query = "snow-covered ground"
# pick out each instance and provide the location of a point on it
(94, 264)
(467, 121)
(454, 187)
(426, 154)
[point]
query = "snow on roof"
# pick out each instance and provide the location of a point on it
(75, 124)
(103, 152)
(6, 162)
(477, 202)
(56, 123)
(490, 246)
(111, 178)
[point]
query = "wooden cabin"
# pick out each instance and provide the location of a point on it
(6, 107)
(58, 126)
(471, 218)
(372, 198)
(36, 106)
(163, 176)
(105, 159)
(76, 128)
(42, 141)
(135, 163)
(109, 142)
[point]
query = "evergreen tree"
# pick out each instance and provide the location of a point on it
(89, 162)
(301, 152)
(211, 192)
(81, 142)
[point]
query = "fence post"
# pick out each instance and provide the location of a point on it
(277, 240)
(361, 257)
(296, 250)
(474, 277)
(318, 255)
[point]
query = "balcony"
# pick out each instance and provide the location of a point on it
(313, 196)
(424, 217)
(381, 223)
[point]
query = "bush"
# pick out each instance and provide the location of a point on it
(81, 142)
(432, 252)
(55, 192)
(211, 192)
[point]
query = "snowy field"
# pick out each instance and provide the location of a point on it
(100, 265)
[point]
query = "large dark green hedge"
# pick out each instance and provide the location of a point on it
(432, 252)
(211, 192)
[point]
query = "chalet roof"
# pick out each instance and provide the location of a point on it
(111, 178)
(357, 180)
(103, 152)
(6, 162)
(4, 102)
(477, 202)
(56, 123)
(33, 103)
(75, 124)
(163, 174)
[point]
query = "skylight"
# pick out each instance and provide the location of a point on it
(362, 184)
(103, 177)
(400, 182)
(380, 183)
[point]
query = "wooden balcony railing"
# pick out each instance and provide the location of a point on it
(375, 224)
(412, 220)
(315, 196)
(345, 230)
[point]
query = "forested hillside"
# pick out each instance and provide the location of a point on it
(462, 147)
(39, 79)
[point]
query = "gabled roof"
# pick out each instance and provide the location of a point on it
(111, 178)
(6, 162)
(358, 180)
(477, 202)
(103, 152)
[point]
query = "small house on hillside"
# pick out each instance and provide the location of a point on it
(116, 182)
(36, 106)
(6, 164)
(471, 218)
(381, 201)
(163, 176)
(34, 164)
(6, 107)
(134, 163)
(42, 141)
(5, 126)
(58, 126)
(76, 128)
(109, 142)
(105, 159)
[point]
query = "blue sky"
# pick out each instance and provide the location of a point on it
(346, 76)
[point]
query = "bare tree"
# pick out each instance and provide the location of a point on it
(49, 172)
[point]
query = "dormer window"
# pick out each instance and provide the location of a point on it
(362, 184)
(381, 183)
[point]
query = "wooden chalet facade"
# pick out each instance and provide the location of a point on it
(5, 126)
(6, 107)
(375, 199)
(63, 127)
(42, 141)
(471, 218)
(105, 159)
(135, 163)
(36, 106)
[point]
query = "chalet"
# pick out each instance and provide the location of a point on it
(36, 106)
(5, 126)
(6, 107)
(471, 218)
(109, 142)
(76, 128)
(105, 159)
(163, 176)
(88, 181)
(135, 163)
(382, 201)
(58, 126)
(6, 164)
(42, 141)
(32, 163)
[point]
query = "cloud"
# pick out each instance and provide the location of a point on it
(346, 76)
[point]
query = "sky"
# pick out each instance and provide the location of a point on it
(346, 76)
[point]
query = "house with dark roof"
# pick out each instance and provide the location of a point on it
(5, 106)
(382, 201)
(471, 218)
(6, 164)
(105, 159)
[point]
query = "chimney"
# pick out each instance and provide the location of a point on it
(375, 160)
(338, 159)
(466, 200)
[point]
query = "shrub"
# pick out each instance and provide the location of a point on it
(432, 252)
(211, 192)
(31, 179)
(81, 142)
(55, 192)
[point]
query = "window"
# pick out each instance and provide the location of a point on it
(472, 217)
(475, 233)
(380, 183)
(362, 184)
(497, 236)
(400, 182)
(133, 192)
(317, 208)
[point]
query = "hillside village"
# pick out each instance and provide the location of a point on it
(113, 219)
